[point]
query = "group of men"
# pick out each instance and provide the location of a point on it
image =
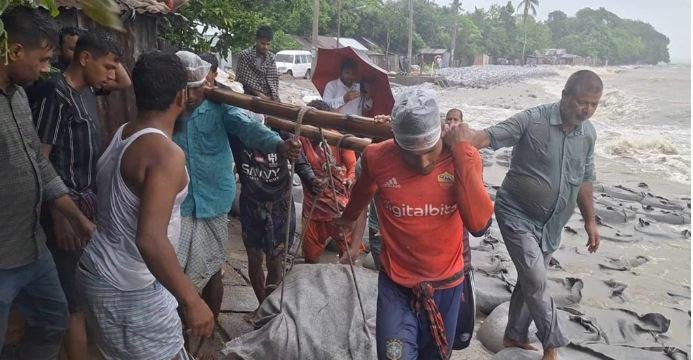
(160, 193)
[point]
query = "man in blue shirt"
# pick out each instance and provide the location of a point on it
(204, 240)
(551, 171)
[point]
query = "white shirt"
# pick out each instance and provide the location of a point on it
(334, 96)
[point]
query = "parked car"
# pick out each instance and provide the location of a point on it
(296, 63)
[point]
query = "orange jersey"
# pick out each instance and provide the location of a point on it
(344, 169)
(422, 216)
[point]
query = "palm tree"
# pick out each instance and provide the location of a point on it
(527, 6)
(455, 9)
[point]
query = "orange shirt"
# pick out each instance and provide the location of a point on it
(422, 216)
(345, 168)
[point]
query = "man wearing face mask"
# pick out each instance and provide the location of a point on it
(429, 189)
(552, 169)
(66, 120)
(204, 240)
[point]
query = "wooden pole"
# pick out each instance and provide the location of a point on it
(313, 133)
(351, 124)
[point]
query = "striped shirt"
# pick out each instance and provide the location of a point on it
(27, 179)
(67, 119)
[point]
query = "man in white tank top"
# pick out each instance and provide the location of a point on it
(129, 274)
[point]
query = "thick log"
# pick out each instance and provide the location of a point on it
(351, 124)
(313, 133)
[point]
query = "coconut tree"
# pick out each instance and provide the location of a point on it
(527, 6)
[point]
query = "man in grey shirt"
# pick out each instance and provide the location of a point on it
(552, 169)
(28, 278)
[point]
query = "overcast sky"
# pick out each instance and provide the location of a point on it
(670, 17)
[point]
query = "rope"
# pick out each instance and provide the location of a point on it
(304, 224)
(297, 132)
(341, 139)
(346, 244)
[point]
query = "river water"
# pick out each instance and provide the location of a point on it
(643, 121)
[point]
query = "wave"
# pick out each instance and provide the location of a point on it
(633, 147)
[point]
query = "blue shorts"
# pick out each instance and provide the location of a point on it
(467, 314)
(403, 334)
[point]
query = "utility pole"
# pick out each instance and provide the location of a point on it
(339, 20)
(411, 30)
(314, 37)
(455, 9)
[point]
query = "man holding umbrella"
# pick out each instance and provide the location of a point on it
(345, 94)
(356, 87)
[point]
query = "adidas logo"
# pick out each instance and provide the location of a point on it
(392, 183)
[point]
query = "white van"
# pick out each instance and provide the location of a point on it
(294, 62)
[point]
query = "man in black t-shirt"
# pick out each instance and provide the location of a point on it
(265, 198)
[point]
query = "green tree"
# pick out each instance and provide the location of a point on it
(557, 22)
(470, 41)
(527, 7)
(537, 36)
(602, 34)
(236, 21)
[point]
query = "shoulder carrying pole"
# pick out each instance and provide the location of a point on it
(352, 124)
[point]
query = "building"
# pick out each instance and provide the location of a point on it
(482, 59)
(381, 56)
(429, 56)
(554, 57)
(363, 46)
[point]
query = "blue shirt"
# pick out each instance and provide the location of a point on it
(547, 167)
(209, 159)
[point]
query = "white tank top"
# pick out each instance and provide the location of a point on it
(112, 252)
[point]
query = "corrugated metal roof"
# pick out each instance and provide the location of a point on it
(353, 43)
(330, 42)
(141, 6)
(327, 42)
(432, 51)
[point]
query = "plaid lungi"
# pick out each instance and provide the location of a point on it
(135, 325)
(202, 248)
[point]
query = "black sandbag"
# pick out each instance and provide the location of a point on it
(618, 352)
(567, 353)
(494, 277)
(668, 217)
(490, 292)
(617, 235)
(491, 331)
(663, 203)
(321, 318)
(651, 228)
(566, 291)
(624, 264)
(621, 192)
(623, 326)
(614, 215)
(617, 290)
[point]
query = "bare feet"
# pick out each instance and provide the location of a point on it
(550, 354)
(512, 343)
(207, 350)
(250, 317)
